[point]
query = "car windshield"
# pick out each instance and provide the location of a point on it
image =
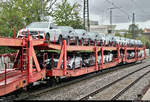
(80, 31)
(38, 25)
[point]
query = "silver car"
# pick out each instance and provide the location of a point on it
(102, 39)
(139, 43)
(82, 35)
(60, 33)
(93, 37)
(116, 40)
(108, 40)
(70, 32)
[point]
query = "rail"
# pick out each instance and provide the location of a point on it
(129, 86)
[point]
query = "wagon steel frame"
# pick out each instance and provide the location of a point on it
(20, 77)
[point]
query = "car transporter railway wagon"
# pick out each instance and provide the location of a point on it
(27, 68)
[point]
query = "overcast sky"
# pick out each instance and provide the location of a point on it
(122, 14)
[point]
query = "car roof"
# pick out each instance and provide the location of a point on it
(80, 29)
(41, 22)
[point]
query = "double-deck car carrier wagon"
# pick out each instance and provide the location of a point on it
(27, 68)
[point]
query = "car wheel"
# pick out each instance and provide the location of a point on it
(82, 41)
(89, 41)
(19, 37)
(77, 41)
(60, 40)
(81, 64)
(73, 65)
(95, 42)
(47, 37)
(68, 67)
(68, 40)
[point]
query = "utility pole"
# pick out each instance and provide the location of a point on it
(133, 25)
(111, 31)
(86, 22)
(111, 19)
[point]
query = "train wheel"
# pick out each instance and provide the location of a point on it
(28, 87)
(54, 81)
(57, 79)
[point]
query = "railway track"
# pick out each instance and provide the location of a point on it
(42, 91)
(129, 86)
(92, 94)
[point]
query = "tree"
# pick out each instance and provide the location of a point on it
(50, 8)
(128, 35)
(145, 41)
(19, 13)
(118, 34)
(66, 14)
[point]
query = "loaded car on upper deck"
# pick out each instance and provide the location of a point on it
(68, 33)
(47, 30)
(36, 30)
(82, 35)
(93, 37)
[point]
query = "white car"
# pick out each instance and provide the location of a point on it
(99, 59)
(74, 62)
(36, 30)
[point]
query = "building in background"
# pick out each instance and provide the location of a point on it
(146, 30)
(93, 22)
(146, 33)
(105, 29)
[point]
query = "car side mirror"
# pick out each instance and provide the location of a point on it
(70, 31)
(50, 27)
